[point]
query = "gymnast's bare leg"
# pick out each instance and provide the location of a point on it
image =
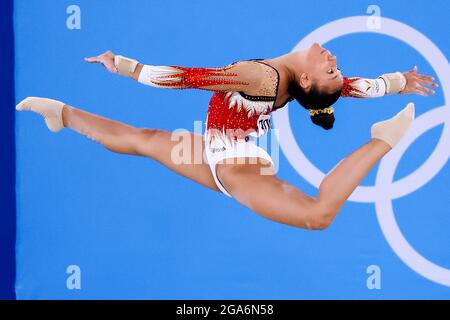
(263, 193)
(279, 201)
(122, 138)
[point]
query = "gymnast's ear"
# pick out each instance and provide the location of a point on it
(304, 80)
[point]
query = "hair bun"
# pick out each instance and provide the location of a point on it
(325, 120)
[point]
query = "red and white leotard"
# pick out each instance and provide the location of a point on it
(238, 114)
(244, 96)
(244, 93)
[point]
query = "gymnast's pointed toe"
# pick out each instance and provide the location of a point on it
(51, 110)
(392, 130)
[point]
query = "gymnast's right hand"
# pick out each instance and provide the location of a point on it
(106, 59)
(118, 64)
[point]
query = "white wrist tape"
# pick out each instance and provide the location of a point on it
(395, 82)
(125, 66)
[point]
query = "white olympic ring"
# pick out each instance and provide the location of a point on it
(385, 189)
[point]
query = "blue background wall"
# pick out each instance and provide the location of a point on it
(136, 229)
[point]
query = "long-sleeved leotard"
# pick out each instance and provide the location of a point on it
(244, 93)
(238, 76)
(363, 88)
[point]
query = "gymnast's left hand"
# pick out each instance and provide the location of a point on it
(417, 83)
(106, 59)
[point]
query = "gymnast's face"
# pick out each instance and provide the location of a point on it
(321, 69)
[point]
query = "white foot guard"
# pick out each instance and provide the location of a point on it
(392, 130)
(50, 109)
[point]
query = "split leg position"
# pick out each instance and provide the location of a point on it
(265, 194)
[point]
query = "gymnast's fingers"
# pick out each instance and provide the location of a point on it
(96, 59)
(419, 90)
(427, 80)
(424, 89)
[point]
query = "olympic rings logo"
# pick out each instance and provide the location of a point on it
(385, 189)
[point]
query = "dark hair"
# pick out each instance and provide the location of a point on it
(315, 99)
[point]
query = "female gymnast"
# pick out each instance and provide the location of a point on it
(245, 93)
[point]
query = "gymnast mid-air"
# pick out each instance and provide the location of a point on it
(245, 93)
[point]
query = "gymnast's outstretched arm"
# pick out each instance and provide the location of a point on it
(239, 76)
(390, 83)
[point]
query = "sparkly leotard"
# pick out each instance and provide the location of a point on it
(244, 96)
(238, 114)
(244, 93)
